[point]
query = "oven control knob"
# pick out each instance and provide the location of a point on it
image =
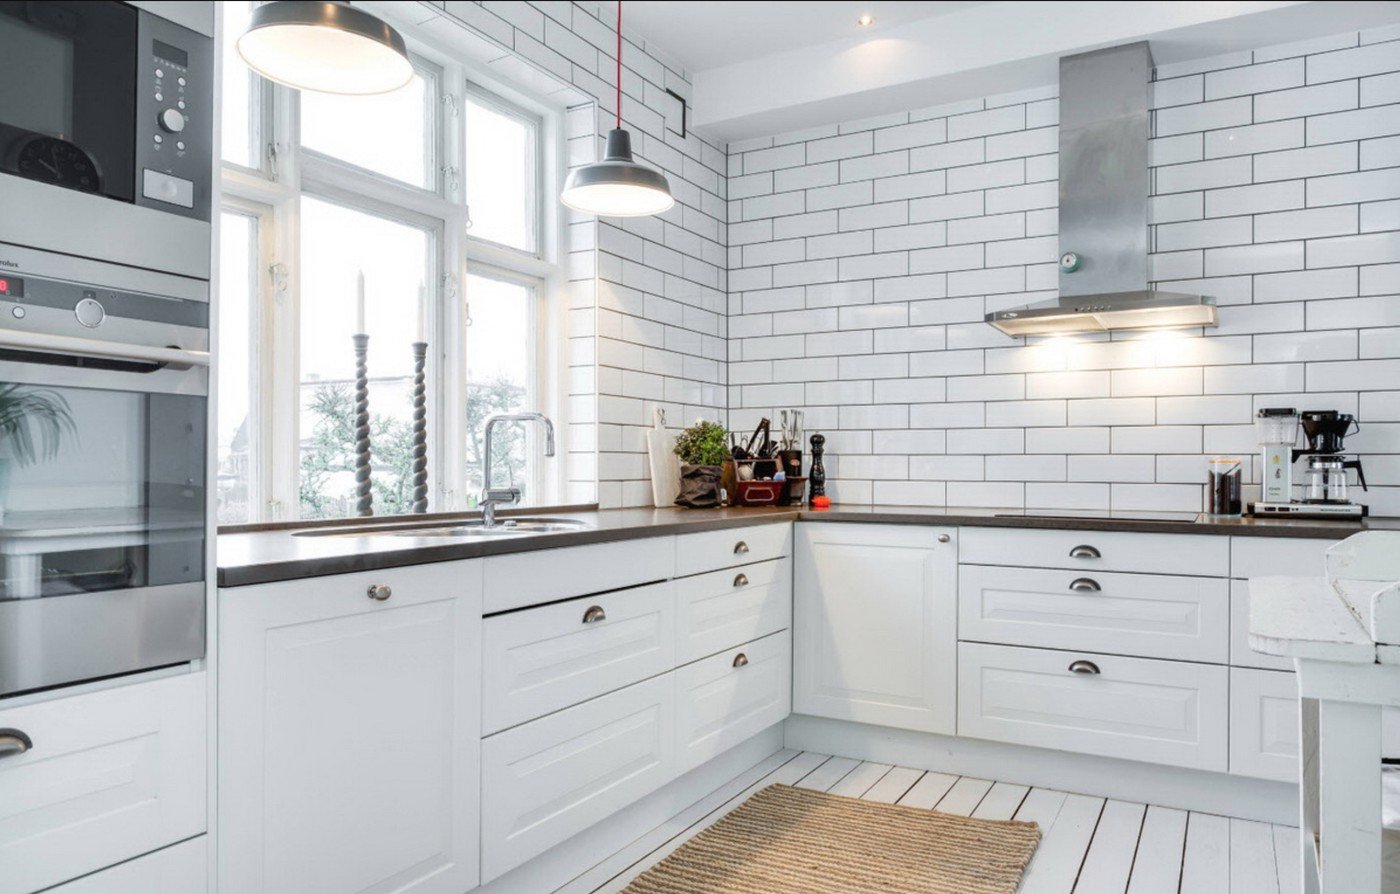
(90, 312)
(172, 120)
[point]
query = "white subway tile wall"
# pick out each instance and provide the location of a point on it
(647, 298)
(863, 257)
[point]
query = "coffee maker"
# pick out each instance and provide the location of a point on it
(1326, 488)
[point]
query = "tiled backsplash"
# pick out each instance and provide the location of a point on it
(862, 258)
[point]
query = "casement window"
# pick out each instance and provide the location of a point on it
(434, 195)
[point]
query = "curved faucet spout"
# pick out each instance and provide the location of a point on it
(491, 496)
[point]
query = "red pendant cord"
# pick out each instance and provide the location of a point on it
(619, 64)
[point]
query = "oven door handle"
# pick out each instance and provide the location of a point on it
(92, 347)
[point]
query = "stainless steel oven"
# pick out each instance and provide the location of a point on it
(104, 386)
(106, 133)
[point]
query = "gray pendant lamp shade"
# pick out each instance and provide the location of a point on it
(325, 47)
(617, 186)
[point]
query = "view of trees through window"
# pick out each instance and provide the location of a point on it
(401, 203)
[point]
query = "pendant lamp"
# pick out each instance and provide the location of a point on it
(617, 186)
(325, 47)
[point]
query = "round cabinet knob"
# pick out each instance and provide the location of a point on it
(90, 312)
(944, 538)
(171, 120)
(380, 592)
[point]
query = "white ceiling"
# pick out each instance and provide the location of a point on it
(702, 35)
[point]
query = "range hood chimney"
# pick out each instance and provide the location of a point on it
(1104, 187)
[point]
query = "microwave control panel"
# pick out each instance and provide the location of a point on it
(174, 117)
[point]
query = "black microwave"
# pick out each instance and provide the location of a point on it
(102, 97)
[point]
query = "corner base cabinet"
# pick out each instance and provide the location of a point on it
(875, 624)
(349, 733)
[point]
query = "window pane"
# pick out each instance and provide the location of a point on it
(388, 133)
(501, 171)
(238, 259)
(240, 93)
(337, 242)
(500, 379)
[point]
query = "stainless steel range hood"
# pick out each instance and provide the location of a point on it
(1104, 187)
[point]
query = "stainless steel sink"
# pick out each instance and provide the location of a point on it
(504, 527)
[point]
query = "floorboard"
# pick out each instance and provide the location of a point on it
(1088, 845)
(1109, 862)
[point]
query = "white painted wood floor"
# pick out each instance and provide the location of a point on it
(1088, 845)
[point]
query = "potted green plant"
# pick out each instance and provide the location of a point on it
(32, 425)
(702, 449)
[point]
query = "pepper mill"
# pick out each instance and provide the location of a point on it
(816, 479)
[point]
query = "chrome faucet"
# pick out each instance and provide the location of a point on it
(509, 495)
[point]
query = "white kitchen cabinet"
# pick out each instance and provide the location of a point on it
(1152, 615)
(179, 869)
(1241, 655)
(539, 660)
(726, 547)
(534, 577)
(111, 775)
(551, 778)
(1168, 712)
(1206, 555)
(875, 624)
(722, 609)
(727, 698)
(1264, 724)
(349, 733)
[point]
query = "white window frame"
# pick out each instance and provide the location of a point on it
(289, 171)
(485, 97)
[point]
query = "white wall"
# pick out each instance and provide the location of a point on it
(863, 256)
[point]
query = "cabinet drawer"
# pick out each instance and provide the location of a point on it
(726, 548)
(1193, 554)
(1155, 616)
(552, 778)
(542, 659)
(1241, 654)
(179, 869)
(518, 580)
(111, 775)
(1266, 556)
(721, 609)
(1166, 712)
(1264, 724)
(726, 698)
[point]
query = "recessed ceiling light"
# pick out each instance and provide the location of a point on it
(866, 20)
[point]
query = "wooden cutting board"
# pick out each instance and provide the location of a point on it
(665, 465)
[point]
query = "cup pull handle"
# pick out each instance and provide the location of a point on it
(741, 580)
(1084, 551)
(741, 660)
(380, 592)
(740, 548)
(594, 614)
(14, 742)
(1085, 585)
(1083, 667)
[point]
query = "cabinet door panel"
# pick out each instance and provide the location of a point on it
(730, 547)
(875, 616)
(349, 733)
(1168, 712)
(1207, 555)
(111, 775)
(179, 869)
(549, 779)
(1158, 616)
(722, 609)
(726, 698)
(1264, 724)
(542, 659)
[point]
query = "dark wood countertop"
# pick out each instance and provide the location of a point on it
(287, 552)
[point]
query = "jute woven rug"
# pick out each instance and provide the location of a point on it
(788, 840)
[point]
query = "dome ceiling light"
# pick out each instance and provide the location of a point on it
(617, 186)
(325, 47)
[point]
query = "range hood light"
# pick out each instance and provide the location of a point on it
(1101, 313)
